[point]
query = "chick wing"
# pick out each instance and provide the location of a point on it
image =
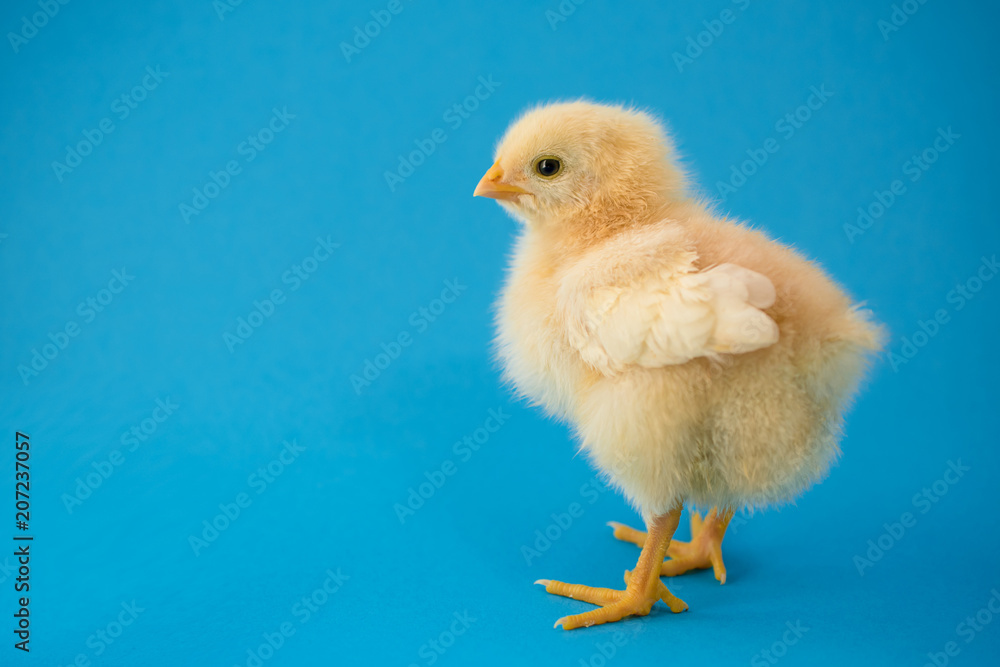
(640, 299)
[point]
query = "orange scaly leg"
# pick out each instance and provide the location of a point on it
(702, 552)
(643, 586)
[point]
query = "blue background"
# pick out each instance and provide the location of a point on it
(324, 176)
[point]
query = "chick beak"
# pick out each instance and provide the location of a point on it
(492, 185)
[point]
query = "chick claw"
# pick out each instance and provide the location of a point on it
(615, 605)
(702, 552)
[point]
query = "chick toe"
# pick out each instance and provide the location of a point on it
(628, 534)
(703, 551)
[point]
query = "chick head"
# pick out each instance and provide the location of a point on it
(562, 159)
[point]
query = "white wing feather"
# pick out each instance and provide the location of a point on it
(668, 316)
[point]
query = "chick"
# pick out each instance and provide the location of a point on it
(698, 361)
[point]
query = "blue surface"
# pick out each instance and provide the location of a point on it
(458, 563)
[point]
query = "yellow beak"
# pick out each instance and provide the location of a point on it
(492, 185)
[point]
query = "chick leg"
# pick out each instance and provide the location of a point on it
(642, 586)
(702, 552)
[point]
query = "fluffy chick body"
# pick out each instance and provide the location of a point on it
(720, 429)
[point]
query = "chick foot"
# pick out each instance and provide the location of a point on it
(702, 552)
(642, 586)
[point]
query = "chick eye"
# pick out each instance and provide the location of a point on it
(548, 166)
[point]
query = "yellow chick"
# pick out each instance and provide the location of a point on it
(697, 360)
